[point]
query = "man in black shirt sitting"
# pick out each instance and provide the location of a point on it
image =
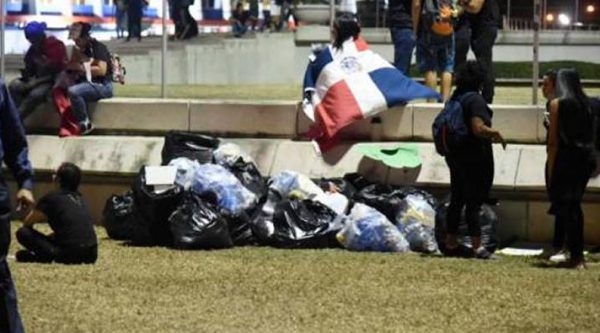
(91, 59)
(74, 237)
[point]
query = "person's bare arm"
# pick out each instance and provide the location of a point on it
(416, 15)
(34, 216)
(552, 144)
(473, 6)
(480, 129)
(99, 68)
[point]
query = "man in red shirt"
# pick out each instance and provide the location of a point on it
(45, 58)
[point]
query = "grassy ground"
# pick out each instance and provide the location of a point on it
(268, 290)
(504, 95)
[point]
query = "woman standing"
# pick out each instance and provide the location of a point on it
(570, 160)
(472, 163)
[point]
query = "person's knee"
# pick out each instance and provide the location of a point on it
(24, 234)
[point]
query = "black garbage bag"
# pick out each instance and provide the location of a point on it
(357, 180)
(152, 211)
(250, 177)
(487, 219)
(196, 225)
(303, 224)
(262, 219)
(118, 216)
(342, 186)
(240, 229)
(190, 145)
(385, 198)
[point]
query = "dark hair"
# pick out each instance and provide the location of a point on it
(551, 74)
(568, 86)
(85, 28)
(469, 76)
(345, 26)
(68, 176)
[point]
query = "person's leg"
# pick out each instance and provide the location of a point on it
(82, 93)
(36, 96)
(404, 44)
(446, 66)
(462, 44)
(17, 91)
(455, 208)
(558, 241)
(41, 246)
(10, 321)
(482, 44)
(574, 226)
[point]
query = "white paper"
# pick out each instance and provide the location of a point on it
(513, 251)
(88, 70)
(160, 175)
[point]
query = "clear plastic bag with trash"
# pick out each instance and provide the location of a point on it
(369, 230)
(186, 171)
(228, 192)
(416, 221)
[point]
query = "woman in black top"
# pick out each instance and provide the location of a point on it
(570, 159)
(472, 164)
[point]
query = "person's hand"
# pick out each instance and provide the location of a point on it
(497, 137)
(75, 67)
(25, 200)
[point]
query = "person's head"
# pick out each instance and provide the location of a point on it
(68, 176)
(469, 76)
(238, 7)
(549, 84)
(35, 32)
(80, 33)
(344, 27)
(568, 85)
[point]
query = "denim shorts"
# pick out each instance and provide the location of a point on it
(435, 53)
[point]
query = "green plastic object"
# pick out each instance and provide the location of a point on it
(402, 156)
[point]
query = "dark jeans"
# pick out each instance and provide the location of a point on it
(84, 92)
(482, 43)
(27, 100)
(120, 16)
(134, 23)
(45, 250)
(10, 321)
(559, 233)
(404, 43)
(239, 29)
(465, 190)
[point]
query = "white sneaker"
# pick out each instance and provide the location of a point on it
(86, 128)
(561, 256)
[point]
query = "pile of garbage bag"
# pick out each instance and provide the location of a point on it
(215, 197)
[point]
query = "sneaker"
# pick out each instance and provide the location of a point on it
(483, 253)
(86, 128)
(25, 256)
(560, 256)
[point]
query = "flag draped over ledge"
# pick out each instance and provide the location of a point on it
(351, 84)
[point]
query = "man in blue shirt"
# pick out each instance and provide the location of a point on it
(14, 153)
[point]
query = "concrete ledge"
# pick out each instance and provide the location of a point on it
(110, 162)
(268, 119)
(275, 119)
(518, 124)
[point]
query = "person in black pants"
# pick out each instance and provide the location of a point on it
(472, 163)
(462, 40)
(484, 18)
(135, 10)
(74, 238)
(14, 153)
(571, 159)
(558, 241)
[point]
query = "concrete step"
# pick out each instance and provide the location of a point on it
(274, 119)
(111, 162)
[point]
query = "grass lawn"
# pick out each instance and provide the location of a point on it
(504, 95)
(256, 289)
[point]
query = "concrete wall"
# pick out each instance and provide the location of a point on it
(282, 58)
(110, 163)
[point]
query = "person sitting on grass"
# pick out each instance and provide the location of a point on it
(74, 237)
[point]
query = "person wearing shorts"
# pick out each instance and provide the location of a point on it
(435, 54)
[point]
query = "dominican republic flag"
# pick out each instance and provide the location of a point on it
(351, 84)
